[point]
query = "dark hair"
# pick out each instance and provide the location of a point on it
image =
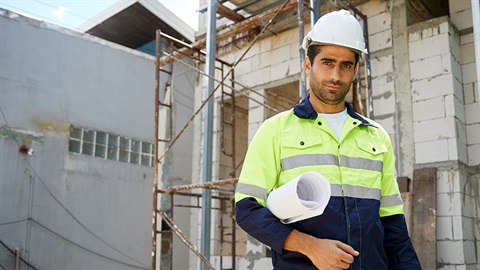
(313, 50)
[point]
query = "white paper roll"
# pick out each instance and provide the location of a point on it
(303, 197)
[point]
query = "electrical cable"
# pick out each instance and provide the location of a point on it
(58, 201)
(21, 259)
(73, 243)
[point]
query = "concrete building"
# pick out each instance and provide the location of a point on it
(76, 141)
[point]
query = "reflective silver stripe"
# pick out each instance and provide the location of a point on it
(330, 159)
(361, 163)
(308, 160)
(254, 191)
(362, 192)
(355, 191)
(336, 190)
(392, 200)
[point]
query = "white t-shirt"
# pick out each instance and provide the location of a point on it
(336, 121)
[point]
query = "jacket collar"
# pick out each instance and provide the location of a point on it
(306, 111)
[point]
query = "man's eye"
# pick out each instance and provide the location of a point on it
(347, 65)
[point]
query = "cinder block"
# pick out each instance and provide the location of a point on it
(381, 65)
(467, 52)
(472, 113)
(449, 204)
(372, 8)
(285, 38)
(473, 154)
(444, 228)
(450, 252)
(429, 109)
(265, 44)
(473, 134)
(422, 89)
(431, 151)
(379, 23)
(281, 70)
(469, 73)
(462, 19)
(428, 47)
(380, 41)
(454, 107)
(436, 129)
(470, 92)
(462, 228)
(457, 151)
(426, 68)
(383, 85)
(458, 6)
(388, 124)
(384, 104)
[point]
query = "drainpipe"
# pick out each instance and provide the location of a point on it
(476, 41)
(301, 34)
(208, 131)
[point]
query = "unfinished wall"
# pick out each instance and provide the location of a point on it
(446, 119)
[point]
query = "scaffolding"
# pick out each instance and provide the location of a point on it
(170, 50)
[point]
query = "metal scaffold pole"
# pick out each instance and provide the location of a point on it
(208, 132)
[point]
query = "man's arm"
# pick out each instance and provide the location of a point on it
(398, 246)
(324, 253)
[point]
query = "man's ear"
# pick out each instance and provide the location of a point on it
(307, 65)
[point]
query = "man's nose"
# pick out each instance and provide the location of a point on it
(335, 75)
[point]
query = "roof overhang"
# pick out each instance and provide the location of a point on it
(134, 23)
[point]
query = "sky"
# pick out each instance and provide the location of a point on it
(73, 13)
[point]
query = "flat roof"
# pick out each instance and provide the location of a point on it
(134, 23)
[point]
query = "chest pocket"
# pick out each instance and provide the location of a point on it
(299, 145)
(371, 147)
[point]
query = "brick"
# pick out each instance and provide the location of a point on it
(428, 109)
(426, 68)
(428, 47)
(433, 151)
(422, 89)
(444, 228)
(435, 129)
(281, 70)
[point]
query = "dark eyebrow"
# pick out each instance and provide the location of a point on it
(335, 61)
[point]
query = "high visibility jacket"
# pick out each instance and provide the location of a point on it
(365, 209)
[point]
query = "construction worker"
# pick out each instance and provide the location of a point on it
(363, 225)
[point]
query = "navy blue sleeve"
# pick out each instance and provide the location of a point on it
(398, 246)
(259, 222)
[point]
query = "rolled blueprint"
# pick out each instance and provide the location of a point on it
(303, 197)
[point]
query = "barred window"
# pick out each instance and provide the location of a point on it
(110, 146)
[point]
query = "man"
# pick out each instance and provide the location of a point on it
(363, 226)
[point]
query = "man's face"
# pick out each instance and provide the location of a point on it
(331, 75)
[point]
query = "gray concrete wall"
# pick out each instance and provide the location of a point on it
(64, 210)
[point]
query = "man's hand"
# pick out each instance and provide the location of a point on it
(325, 254)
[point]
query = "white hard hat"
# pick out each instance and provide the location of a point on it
(337, 28)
